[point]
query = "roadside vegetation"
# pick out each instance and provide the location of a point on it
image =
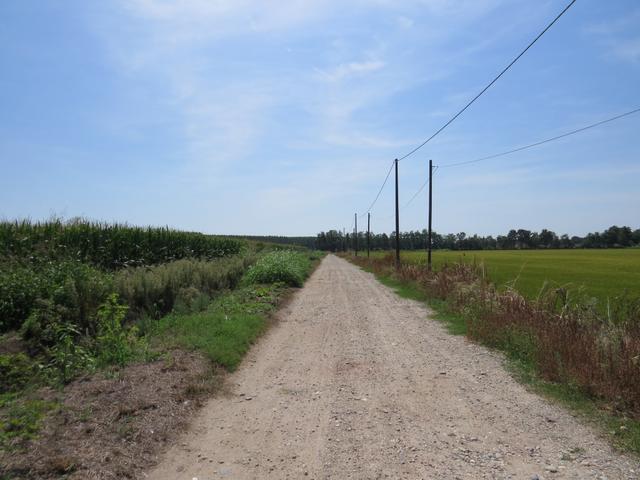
(80, 300)
(562, 342)
(225, 328)
(601, 274)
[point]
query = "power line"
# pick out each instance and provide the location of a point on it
(435, 169)
(531, 145)
(519, 149)
(490, 84)
(381, 188)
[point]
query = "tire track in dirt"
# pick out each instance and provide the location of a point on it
(355, 382)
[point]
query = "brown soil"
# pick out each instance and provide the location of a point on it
(355, 382)
(112, 427)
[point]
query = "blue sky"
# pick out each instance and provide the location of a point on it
(264, 117)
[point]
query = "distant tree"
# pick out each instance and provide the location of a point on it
(625, 237)
(575, 242)
(546, 238)
(334, 240)
(523, 238)
(512, 238)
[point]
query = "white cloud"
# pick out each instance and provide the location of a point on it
(628, 50)
(404, 22)
(355, 139)
(189, 19)
(619, 36)
(225, 116)
(346, 70)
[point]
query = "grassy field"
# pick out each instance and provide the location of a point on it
(600, 273)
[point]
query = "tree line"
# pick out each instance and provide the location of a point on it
(308, 241)
(612, 237)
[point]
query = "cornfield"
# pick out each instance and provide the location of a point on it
(107, 246)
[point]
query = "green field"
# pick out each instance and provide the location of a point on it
(600, 273)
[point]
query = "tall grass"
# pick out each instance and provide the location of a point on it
(563, 339)
(155, 290)
(107, 246)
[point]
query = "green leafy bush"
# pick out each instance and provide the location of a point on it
(68, 357)
(287, 267)
(18, 290)
(76, 287)
(115, 344)
(189, 300)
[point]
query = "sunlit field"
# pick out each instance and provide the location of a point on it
(599, 273)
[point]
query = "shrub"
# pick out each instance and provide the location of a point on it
(153, 291)
(287, 267)
(76, 287)
(18, 290)
(189, 300)
(67, 356)
(116, 344)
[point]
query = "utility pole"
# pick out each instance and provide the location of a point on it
(356, 233)
(344, 239)
(368, 232)
(397, 221)
(430, 213)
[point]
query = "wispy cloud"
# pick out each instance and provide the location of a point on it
(628, 50)
(326, 96)
(346, 70)
(619, 36)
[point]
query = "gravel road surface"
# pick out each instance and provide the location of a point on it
(354, 382)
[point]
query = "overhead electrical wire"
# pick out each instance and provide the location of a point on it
(380, 191)
(435, 168)
(525, 147)
(531, 145)
(569, 5)
(490, 83)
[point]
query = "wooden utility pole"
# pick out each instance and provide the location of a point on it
(356, 234)
(368, 233)
(397, 220)
(430, 213)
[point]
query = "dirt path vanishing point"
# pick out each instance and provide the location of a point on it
(355, 382)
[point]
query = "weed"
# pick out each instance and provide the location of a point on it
(20, 419)
(226, 330)
(186, 284)
(16, 371)
(67, 356)
(288, 267)
(116, 344)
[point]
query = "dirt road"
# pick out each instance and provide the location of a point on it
(355, 382)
